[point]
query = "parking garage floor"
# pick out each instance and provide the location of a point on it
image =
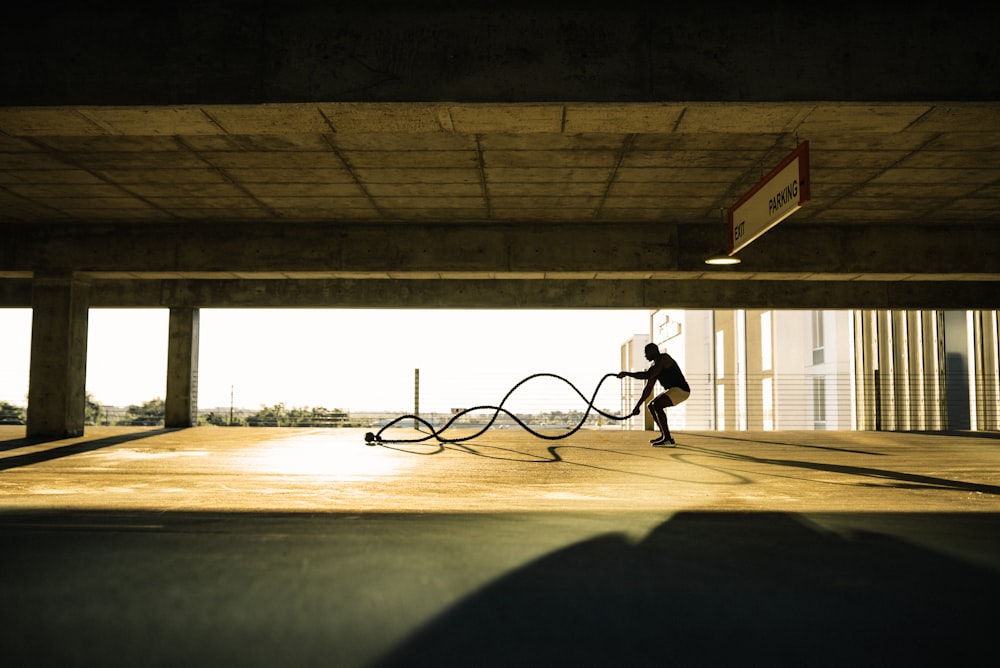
(307, 547)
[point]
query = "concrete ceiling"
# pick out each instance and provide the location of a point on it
(920, 165)
(544, 154)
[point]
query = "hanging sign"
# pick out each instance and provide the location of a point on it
(778, 195)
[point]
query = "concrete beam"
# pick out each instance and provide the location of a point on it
(496, 250)
(700, 293)
(15, 292)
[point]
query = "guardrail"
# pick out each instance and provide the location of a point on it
(772, 401)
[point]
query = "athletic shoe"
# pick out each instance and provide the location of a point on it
(664, 443)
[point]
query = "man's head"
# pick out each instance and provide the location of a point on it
(652, 351)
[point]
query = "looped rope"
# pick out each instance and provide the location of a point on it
(437, 433)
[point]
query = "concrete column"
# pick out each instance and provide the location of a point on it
(181, 404)
(58, 376)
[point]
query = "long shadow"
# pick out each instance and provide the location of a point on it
(902, 480)
(909, 480)
(555, 458)
(953, 434)
(15, 443)
(68, 450)
(721, 437)
(722, 589)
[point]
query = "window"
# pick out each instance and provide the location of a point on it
(817, 337)
(720, 407)
(767, 403)
(765, 341)
(819, 403)
(720, 354)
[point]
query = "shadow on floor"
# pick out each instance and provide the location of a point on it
(59, 451)
(711, 589)
(869, 476)
(956, 433)
(877, 477)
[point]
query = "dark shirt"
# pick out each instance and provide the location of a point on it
(671, 376)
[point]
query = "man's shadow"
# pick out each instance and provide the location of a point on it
(723, 589)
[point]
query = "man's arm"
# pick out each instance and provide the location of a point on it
(635, 374)
(647, 390)
(649, 375)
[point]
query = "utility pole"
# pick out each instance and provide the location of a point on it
(416, 395)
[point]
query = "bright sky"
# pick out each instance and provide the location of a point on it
(358, 360)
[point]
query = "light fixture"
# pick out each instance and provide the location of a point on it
(721, 259)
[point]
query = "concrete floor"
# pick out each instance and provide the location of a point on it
(307, 547)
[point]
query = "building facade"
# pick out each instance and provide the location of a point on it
(927, 370)
(632, 359)
(763, 370)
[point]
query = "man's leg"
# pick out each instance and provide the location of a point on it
(656, 407)
(656, 421)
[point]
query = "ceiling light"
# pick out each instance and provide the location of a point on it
(722, 259)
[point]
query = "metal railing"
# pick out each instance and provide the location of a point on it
(771, 401)
(784, 401)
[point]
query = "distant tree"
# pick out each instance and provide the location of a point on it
(269, 416)
(92, 410)
(318, 417)
(280, 416)
(149, 414)
(298, 417)
(214, 418)
(321, 417)
(11, 414)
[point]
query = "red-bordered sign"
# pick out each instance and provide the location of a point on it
(778, 195)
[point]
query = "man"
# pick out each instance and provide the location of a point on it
(676, 390)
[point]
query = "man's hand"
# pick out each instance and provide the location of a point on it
(622, 374)
(635, 411)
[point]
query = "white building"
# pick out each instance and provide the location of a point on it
(759, 369)
(633, 359)
(927, 370)
(792, 370)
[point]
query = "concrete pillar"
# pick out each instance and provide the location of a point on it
(181, 404)
(58, 376)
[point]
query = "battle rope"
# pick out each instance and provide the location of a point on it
(373, 439)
